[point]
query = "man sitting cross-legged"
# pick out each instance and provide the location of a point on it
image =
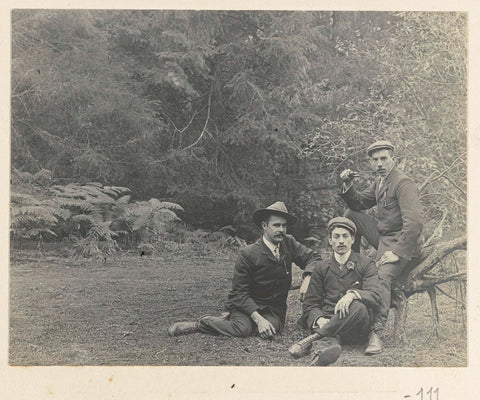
(262, 277)
(344, 292)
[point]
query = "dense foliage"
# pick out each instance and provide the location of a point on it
(96, 218)
(225, 111)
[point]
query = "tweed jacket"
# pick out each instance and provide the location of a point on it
(329, 283)
(399, 212)
(261, 281)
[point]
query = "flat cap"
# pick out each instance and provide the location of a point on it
(277, 208)
(380, 145)
(342, 222)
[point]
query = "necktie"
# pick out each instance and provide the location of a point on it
(380, 184)
(276, 253)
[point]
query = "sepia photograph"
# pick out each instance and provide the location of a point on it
(241, 188)
(143, 142)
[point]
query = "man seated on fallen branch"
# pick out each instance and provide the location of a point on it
(343, 294)
(395, 232)
(257, 302)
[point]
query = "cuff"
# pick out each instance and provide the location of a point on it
(356, 294)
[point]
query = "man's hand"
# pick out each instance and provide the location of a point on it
(265, 327)
(388, 257)
(343, 304)
(347, 175)
(320, 323)
(304, 287)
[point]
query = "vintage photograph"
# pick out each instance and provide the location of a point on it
(238, 188)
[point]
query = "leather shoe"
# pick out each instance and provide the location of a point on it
(302, 348)
(327, 350)
(375, 344)
(180, 328)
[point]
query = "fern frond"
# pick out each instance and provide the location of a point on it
(101, 231)
(165, 204)
(23, 198)
(43, 176)
(41, 213)
(21, 176)
(70, 191)
(123, 200)
(118, 190)
(96, 184)
(83, 218)
(68, 202)
(37, 231)
(97, 195)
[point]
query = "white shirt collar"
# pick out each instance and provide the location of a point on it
(270, 245)
(342, 258)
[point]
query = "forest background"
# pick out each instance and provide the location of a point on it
(224, 112)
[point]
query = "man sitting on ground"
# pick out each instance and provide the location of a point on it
(344, 292)
(257, 302)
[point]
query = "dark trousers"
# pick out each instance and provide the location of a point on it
(388, 273)
(353, 328)
(236, 324)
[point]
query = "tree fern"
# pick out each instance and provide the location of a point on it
(85, 213)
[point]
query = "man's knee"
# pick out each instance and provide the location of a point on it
(277, 324)
(389, 272)
(242, 327)
(358, 309)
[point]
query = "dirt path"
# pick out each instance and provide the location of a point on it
(76, 312)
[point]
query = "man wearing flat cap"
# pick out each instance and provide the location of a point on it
(396, 230)
(257, 302)
(343, 294)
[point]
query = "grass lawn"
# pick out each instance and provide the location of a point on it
(86, 312)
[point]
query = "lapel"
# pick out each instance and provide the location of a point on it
(267, 252)
(334, 267)
(386, 183)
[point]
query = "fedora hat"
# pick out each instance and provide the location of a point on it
(380, 145)
(277, 208)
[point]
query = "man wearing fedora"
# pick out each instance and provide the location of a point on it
(340, 302)
(396, 230)
(257, 302)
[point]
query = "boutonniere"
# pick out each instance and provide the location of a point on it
(350, 265)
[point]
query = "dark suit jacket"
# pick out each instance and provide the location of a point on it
(260, 281)
(329, 284)
(399, 212)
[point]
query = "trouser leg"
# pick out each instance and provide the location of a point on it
(387, 273)
(353, 328)
(237, 324)
(366, 226)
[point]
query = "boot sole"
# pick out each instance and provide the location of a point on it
(372, 353)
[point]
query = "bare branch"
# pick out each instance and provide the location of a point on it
(432, 179)
(437, 231)
(204, 126)
(454, 184)
(204, 130)
(453, 298)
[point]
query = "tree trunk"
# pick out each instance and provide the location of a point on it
(413, 281)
